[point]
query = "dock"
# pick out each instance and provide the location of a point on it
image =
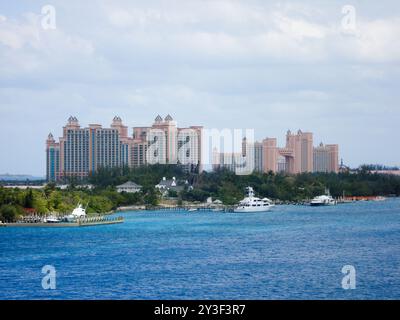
(191, 209)
(87, 222)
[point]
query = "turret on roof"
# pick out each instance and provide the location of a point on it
(117, 119)
(73, 121)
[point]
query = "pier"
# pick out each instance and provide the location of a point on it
(219, 208)
(87, 222)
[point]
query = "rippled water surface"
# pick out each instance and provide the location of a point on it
(293, 252)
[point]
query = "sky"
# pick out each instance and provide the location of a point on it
(318, 66)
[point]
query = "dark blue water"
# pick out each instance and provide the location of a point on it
(293, 252)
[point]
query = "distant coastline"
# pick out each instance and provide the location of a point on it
(20, 177)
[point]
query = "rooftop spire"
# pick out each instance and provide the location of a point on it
(117, 119)
(73, 121)
(50, 137)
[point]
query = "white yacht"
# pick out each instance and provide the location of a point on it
(253, 204)
(78, 213)
(324, 200)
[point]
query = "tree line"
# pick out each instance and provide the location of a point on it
(221, 184)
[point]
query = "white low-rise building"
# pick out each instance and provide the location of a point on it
(129, 187)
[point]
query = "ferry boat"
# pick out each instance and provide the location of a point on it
(253, 204)
(324, 200)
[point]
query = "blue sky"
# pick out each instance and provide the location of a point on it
(267, 65)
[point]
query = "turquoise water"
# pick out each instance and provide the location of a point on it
(293, 252)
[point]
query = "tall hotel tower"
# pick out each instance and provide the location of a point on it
(84, 150)
(165, 143)
(52, 159)
(81, 151)
(326, 158)
(297, 156)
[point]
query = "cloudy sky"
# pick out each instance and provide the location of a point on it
(267, 65)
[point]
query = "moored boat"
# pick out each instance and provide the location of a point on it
(51, 219)
(78, 213)
(253, 204)
(324, 200)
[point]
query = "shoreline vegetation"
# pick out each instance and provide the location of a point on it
(223, 185)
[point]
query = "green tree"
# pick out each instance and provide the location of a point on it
(152, 198)
(29, 199)
(40, 204)
(9, 213)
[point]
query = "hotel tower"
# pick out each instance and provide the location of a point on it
(297, 156)
(82, 151)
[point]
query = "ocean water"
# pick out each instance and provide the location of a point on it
(293, 252)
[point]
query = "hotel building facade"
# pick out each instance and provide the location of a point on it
(297, 156)
(326, 158)
(82, 151)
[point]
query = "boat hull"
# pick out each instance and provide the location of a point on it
(251, 210)
(322, 204)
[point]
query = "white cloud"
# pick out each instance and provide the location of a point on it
(29, 48)
(16, 34)
(299, 29)
(289, 31)
(379, 40)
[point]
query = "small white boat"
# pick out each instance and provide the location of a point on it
(253, 204)
(51, 219)
(193, 210)
(324, 200)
